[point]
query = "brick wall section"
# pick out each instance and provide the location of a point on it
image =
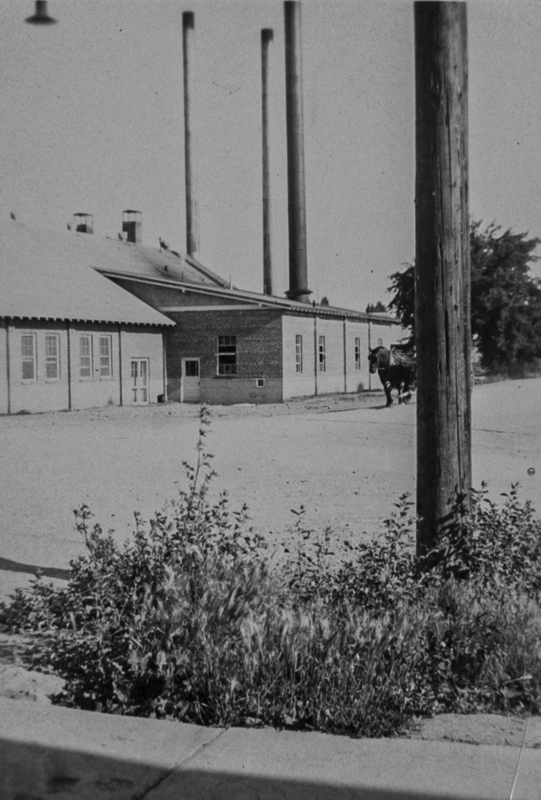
(259, 341)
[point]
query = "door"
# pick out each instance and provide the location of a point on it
(191, 382)
(139, 381)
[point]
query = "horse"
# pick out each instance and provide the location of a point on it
(399, 376)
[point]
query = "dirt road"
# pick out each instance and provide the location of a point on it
(347, 460)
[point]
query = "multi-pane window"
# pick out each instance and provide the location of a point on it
(298, 353)
(357, 353)
(322, 356)
(28, 353)
(227, 355)
(85, 355)
(52, 356)
(106, 364)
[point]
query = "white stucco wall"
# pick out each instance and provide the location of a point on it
(341, 373)
(332, 379)
(4, 406)
(138, 344)
(94, 391)
(40, 393)
(70, 389)
(298, 384)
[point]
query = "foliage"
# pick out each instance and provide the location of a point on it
(403, 301)
(374, 308)
(193, 620)
(505, 298)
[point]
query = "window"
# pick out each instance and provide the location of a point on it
(357, 353)
(106, 366)
(227, 355)
(191, 368)
(85, 356)
(28, 347)
(380, 342)
(298, 353)
(52, 357)
(322, 357)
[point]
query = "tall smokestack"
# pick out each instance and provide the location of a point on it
(298, 273)
(267, 35)
(188, 37)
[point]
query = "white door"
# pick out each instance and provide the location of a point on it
(191, 381)
(139, 381)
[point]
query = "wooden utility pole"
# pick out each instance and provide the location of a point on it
(442, 267)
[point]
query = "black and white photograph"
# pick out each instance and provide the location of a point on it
(270, 399)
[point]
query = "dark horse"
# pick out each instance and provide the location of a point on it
(399, 376)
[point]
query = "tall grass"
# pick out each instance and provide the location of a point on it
(192, 620)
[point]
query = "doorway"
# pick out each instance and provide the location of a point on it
(139, 381)
(190, 389)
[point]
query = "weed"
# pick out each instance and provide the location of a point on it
(191, 619)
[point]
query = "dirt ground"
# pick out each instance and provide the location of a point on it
(345, 459)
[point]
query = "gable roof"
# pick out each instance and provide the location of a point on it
(236, 299)
(48, 275)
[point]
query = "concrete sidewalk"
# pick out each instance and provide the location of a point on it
(46, 750)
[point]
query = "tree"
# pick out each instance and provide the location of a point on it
(375, 308)
(506, 299)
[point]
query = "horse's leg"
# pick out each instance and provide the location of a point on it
(407, 392)
(388, 392)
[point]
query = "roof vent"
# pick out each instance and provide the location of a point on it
(83, 222)
(132, 226)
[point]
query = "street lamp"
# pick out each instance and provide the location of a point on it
(41, 17)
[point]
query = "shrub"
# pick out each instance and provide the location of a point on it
(191, 619)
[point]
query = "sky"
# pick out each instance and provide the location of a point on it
(92, 121)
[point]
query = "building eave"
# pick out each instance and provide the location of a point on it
(253, 300)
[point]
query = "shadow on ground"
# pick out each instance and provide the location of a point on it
(33, 772)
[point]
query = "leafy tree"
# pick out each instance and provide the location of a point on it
(506, 299)
(375, 308)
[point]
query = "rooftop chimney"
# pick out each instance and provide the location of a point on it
(298, 273)
(267, 35)
(132, 226)
(83, 222)
(188, 41)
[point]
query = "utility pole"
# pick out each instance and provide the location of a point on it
(442, 267)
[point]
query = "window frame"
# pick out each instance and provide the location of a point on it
(226, 349)
(52, 359)
(299, 355)
(357, 351)
(322, 355)
(90, 357)
(105, 337)
(33, 359)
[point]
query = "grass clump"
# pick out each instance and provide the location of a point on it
(192, 619)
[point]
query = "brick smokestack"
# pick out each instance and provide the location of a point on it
(298, 271)
(188, 37)
(267, 35)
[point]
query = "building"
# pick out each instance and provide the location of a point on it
(88, 321)
(70, 338)
(232, 346)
